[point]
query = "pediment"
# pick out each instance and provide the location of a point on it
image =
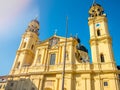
(52, 41)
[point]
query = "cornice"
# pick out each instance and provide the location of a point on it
(67, 72)
(30, 34)
(96, 20)
(101, 38)
(26, 50)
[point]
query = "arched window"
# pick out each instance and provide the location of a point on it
(98, 32)
(102, 58)
(24, 45)
(98, 9)
(32, 47)
(52, 59)
(18, 65)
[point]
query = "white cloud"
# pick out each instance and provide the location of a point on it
(9, 12)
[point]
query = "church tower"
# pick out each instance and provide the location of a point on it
(26, 51)
(100, 40)
(104, 76)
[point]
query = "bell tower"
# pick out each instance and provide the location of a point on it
(100, 40)
(26, 51)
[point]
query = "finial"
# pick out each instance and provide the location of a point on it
(71, 35)
(55, 31)
(36, 17)
(94, 1)
(76, 35)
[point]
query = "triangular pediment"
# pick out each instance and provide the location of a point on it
(53, 40)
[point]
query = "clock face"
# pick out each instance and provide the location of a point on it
(97, 25)
(26, 39)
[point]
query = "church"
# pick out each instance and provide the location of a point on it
(39, 65)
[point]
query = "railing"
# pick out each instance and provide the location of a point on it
(103, 66)
(81, 67)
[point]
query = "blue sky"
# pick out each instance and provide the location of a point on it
(16, 14)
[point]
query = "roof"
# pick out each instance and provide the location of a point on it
(35, 20)
(95, 4)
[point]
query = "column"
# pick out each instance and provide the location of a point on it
(41, 86)
(43, 62)
(88, 84)
(35, 59)
(57, 84)
(21, 43)
(71, 83)
(46, 57)
(71, 54)
(62, 55)
(97, 84)
(59, 52)
(116, 84)
(60, 82)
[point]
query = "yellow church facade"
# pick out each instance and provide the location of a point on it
(38, 65)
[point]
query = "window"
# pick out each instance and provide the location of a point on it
(32, 47)
(52, 59)
(100, 13)
(24, 45)
(92, 15)
(92, 10)
(98, 32)
(95, 14)
(102, 58)
(18, 65)
(11, 84)
(98, 9)
(105, 83)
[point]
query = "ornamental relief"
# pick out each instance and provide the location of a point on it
(81, 56)
(53, 41)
